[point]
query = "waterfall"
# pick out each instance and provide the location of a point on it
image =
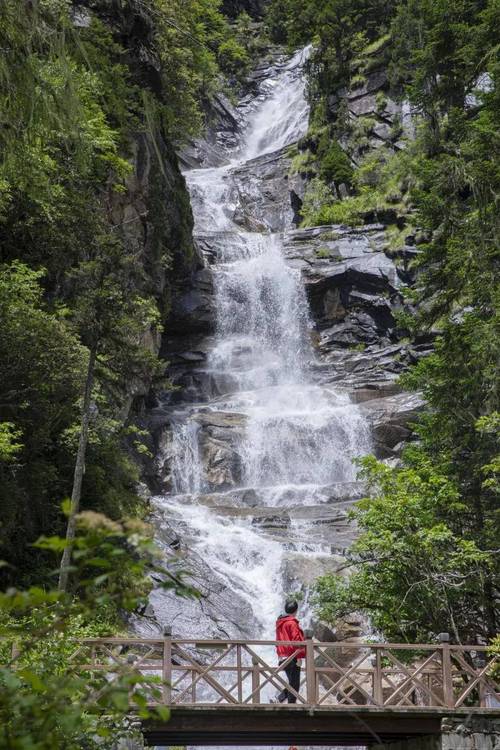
(244, 463)
(283, 117)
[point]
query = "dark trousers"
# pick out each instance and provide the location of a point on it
(292, 670)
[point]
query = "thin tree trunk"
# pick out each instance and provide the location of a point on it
(76, 492)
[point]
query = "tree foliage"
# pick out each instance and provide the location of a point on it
(83, 87)
(419, 566)
(47, 697)
(338, 29)
(37, 401)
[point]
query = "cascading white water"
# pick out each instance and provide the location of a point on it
(262, 315)
(293, 438)
(283, 117)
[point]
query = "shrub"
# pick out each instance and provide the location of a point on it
(335, 165)
(233, 58)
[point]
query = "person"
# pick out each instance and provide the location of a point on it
(288, 629)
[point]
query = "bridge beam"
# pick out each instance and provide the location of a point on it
(295, 725)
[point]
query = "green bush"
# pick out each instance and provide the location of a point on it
(334, 164)
(302, 163)
(323, 252)
(317, 195)
(233, 58)
(48, 699)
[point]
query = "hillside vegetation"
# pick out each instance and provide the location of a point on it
(95, 225)
(95, 230)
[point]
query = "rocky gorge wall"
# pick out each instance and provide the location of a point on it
(152, 213)
(154, 218)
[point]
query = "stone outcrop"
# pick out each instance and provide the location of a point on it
(391, 418)
(263, 194)
(377, 117)
(193, 309)
(351, 284)
(220, 435)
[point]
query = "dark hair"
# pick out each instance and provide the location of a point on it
(291, 607)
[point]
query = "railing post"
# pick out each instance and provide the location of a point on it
(167, 665)
(378, 693)
(130, 661)
(239, 673)
(478, 659)
(255, 680)
(310, 670)
(449, 700)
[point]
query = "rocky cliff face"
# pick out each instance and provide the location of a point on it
(152, 214)
(155, 221)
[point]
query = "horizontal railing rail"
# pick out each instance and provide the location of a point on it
(235, 672)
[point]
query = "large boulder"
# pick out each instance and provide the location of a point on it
(391, 419)
(262, 193)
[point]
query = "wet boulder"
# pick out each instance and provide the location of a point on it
(220, 437)
(263, 193)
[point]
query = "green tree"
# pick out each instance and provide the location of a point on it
(419, 566)
(37, 400)
(47, 697)
(73, 101)
(112, 319)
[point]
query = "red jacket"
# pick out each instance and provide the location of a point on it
(288, 629)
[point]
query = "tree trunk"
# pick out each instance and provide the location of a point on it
(78, 473)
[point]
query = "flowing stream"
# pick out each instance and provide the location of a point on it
(259, 468)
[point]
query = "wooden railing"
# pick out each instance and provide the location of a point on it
(334, 675)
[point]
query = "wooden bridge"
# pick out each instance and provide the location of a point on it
(220, 692)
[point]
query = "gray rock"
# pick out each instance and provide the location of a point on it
(391, 109)
(323, 632)
(365, 105)
(375, 81)
(302, 571)
(228, 420)
(390, 418)
(383, 131)
(193, 311)
(263, 193)
(272, 522)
